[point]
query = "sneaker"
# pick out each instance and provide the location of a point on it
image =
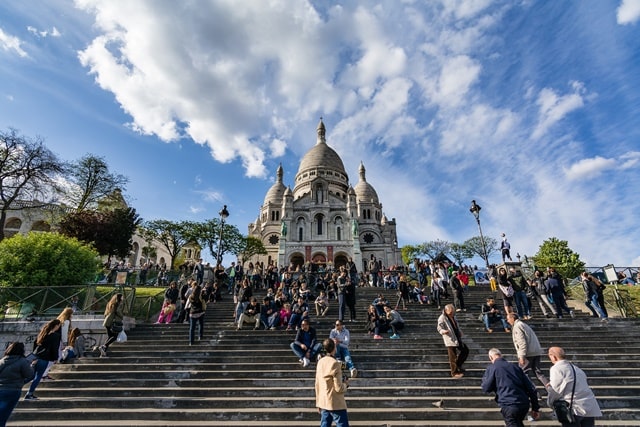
(103, 351)
(377, 337)
(318, 357)
(458, 375)
(47, 378)
(489, 330)
(301, 361)
(354, 372)
(30, 397)
(395, 337)
(305, 362)
(572, 314)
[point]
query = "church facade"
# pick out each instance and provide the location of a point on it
(324, 219)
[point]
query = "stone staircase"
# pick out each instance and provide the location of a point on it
(251, 378)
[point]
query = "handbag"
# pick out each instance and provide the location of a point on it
(116, 326)
(562, 408)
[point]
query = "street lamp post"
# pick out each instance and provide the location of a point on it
(395, 252)
(224, 214)
(475, 210)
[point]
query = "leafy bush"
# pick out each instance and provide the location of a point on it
(46, 259)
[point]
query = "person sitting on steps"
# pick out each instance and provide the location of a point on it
(305, 346)
(250, 314)
(491, 313)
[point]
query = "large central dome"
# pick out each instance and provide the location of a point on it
(321, 156)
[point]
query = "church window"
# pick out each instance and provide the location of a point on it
(338, 233)
(368, 238)
(273, 239)
(300, 233)
(319, 220)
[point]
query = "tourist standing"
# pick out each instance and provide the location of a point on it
(197, 308)
(452, 336)
(330, 389)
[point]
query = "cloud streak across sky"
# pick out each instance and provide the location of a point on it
(528, 107)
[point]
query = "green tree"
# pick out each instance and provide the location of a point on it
(207, 234)
(110, 232)
(92, 181)
(28, 172)
(474, 245)
(46, 259)
(460, 252)
(435, 248)
(249, 247)
(172, 235)
(409, 253)
(556, 253)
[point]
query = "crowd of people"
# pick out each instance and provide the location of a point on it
(290, 301)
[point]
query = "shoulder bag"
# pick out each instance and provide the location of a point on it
(562, 408)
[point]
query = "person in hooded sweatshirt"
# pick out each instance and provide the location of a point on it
(15, 371)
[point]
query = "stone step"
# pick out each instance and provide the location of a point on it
(251, 378)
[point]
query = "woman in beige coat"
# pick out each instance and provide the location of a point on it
(330, 388)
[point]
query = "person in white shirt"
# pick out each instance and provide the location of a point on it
(342, 337)
(568, 382)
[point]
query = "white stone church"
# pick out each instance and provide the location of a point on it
(324, 219)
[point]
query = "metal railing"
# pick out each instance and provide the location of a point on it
(46, 302)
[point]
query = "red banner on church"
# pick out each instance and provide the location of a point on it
(307, 253)
(329, 253)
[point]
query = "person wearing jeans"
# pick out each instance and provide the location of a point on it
(47, 347)
(342, 337)
(15, 371)
(330, 388)
(305, 345)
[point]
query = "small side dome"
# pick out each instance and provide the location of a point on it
(277, 190)
(364, 191)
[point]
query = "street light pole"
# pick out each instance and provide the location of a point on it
(395, 252)
(475, 210)
(224, 214)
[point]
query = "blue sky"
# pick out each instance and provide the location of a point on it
(532, 108)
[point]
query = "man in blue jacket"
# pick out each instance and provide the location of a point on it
(514, 391)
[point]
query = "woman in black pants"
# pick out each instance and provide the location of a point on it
(112, 322)
(46, 350)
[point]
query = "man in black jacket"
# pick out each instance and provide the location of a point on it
(306, 346)
(514, 390)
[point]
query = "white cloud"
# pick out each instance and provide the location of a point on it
(591, 168)
(44, 33)
(196, 209)
(554, 107)
(10, 43)
(407, 87)
(628, 12)
(211, 195)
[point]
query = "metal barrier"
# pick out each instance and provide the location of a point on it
(30, 302)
